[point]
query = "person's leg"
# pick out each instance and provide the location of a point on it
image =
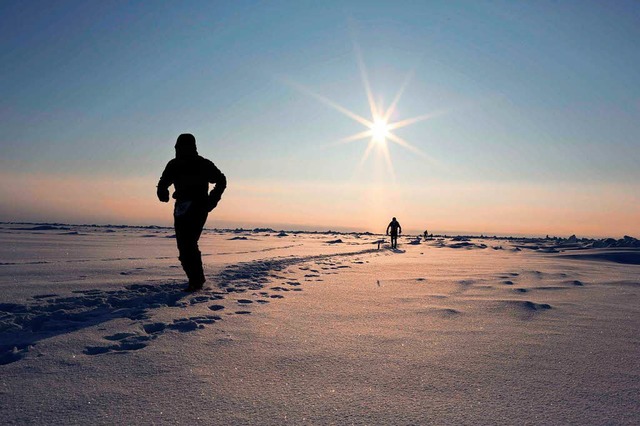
(188, 229)
(198, 272)
(184, 243)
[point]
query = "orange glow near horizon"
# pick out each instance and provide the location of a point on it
(489, 208)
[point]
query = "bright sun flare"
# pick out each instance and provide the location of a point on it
(379, 128)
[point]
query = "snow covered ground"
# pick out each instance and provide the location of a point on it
(316, 328)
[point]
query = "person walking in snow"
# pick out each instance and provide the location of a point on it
(190, 174)
(395, 228)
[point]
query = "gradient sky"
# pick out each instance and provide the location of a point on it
(538, 130)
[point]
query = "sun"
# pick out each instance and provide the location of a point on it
(380, 130)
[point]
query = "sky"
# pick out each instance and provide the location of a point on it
(530, 112)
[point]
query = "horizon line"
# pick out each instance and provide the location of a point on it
(317, 229)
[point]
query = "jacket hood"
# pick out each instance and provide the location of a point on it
(186, 146)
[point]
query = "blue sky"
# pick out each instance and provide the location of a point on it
(540, 98)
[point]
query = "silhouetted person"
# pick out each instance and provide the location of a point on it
(395, 228)
(426, 234)
(190, 174)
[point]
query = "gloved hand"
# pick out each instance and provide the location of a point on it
(212, 201)
(163, 194)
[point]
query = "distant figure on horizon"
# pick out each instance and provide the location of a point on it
(190, 175)
(395, 228)
(426, 234)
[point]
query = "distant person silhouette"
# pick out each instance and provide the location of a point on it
(426, 234)
(395, 228)
(190, 174)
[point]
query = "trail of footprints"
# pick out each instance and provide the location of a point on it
(133, 341)
(138, 301)
(254, 284)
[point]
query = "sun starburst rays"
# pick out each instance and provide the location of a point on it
(365, 80)
(379, 129)
(395, 101)
(356, 137)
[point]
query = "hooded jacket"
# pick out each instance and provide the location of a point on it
(191, 175)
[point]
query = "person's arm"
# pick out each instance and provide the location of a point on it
(388, 226)
(165, 181)
(215, 176)
(399, 229)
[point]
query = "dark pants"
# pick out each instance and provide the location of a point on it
(188, 229)
(394, 240)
